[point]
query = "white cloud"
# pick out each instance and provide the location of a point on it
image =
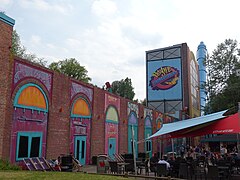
(110, 37)
(4, 4)
(43, 5)
(35, 40)
(104, 8)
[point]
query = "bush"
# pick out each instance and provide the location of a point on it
(5, 165)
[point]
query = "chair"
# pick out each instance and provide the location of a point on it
(162, 170)
(29, 164)
(77, 167)
(113, 167)
(213, 173)
(146, 163)
(237, 165)
(118, 158)
(174, 168)
(183, 170)
(66, 163)
(153, 168)
(199, 170)
(130, 166)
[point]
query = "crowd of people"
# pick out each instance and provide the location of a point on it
(196, 154)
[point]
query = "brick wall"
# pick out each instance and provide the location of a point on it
(123, 129)
(98, 123)
(5, 64)
(58, 135)
(59, 117)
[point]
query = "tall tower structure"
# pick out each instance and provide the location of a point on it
(201, 57)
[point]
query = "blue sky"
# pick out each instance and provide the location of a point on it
(110, 37)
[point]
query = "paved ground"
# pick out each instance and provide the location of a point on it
(89, 168)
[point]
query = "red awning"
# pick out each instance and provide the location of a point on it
(227, 125)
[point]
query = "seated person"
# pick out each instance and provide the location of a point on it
(164, 161)
(153, 161)
(57, 164)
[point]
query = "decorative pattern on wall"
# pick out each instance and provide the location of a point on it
(148, 112)
(77, 88)
(132, 107)
(148, 122)
(111, 100)
(22, 71)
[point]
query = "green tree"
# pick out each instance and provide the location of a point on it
(72, 68)
(19, 50)
(223, 86)
(123, 88)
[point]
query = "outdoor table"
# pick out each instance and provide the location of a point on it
(121, 167)
(140, 166)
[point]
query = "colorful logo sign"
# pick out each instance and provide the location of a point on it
(164, 78)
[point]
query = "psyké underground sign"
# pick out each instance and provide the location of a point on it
(164, 78)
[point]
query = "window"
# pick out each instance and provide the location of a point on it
(148, 146)
(29, 144)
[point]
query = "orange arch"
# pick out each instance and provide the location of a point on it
(32, 96)
(81, 108)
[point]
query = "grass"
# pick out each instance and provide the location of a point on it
(5, 165)
(54, 175)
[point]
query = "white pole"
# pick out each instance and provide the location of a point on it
(172, 146)
(134, 151)
(160, 147)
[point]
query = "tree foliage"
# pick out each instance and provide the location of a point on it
(123, 88)
(223, 84)
(72, 68)
(19, 50)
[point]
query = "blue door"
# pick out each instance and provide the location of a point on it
(80, 149)
(111, 147)
(148, 143)
(130, 139)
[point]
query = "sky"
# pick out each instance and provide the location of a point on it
(110, 37)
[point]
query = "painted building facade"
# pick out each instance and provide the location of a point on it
(45, 113)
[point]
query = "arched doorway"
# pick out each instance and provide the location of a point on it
(147, 133)
(80, 130)
(132, 130)
(111, 131)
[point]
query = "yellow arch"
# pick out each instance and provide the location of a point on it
(32, 96)
(81, 108)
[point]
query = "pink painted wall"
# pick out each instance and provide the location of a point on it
(111, 129)
(80, 126)
(21, 125)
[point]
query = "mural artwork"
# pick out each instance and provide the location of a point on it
(80, 122)
(112, 106)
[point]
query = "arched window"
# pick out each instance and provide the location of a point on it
(81, 108)
(31, 96)
(112, 115)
